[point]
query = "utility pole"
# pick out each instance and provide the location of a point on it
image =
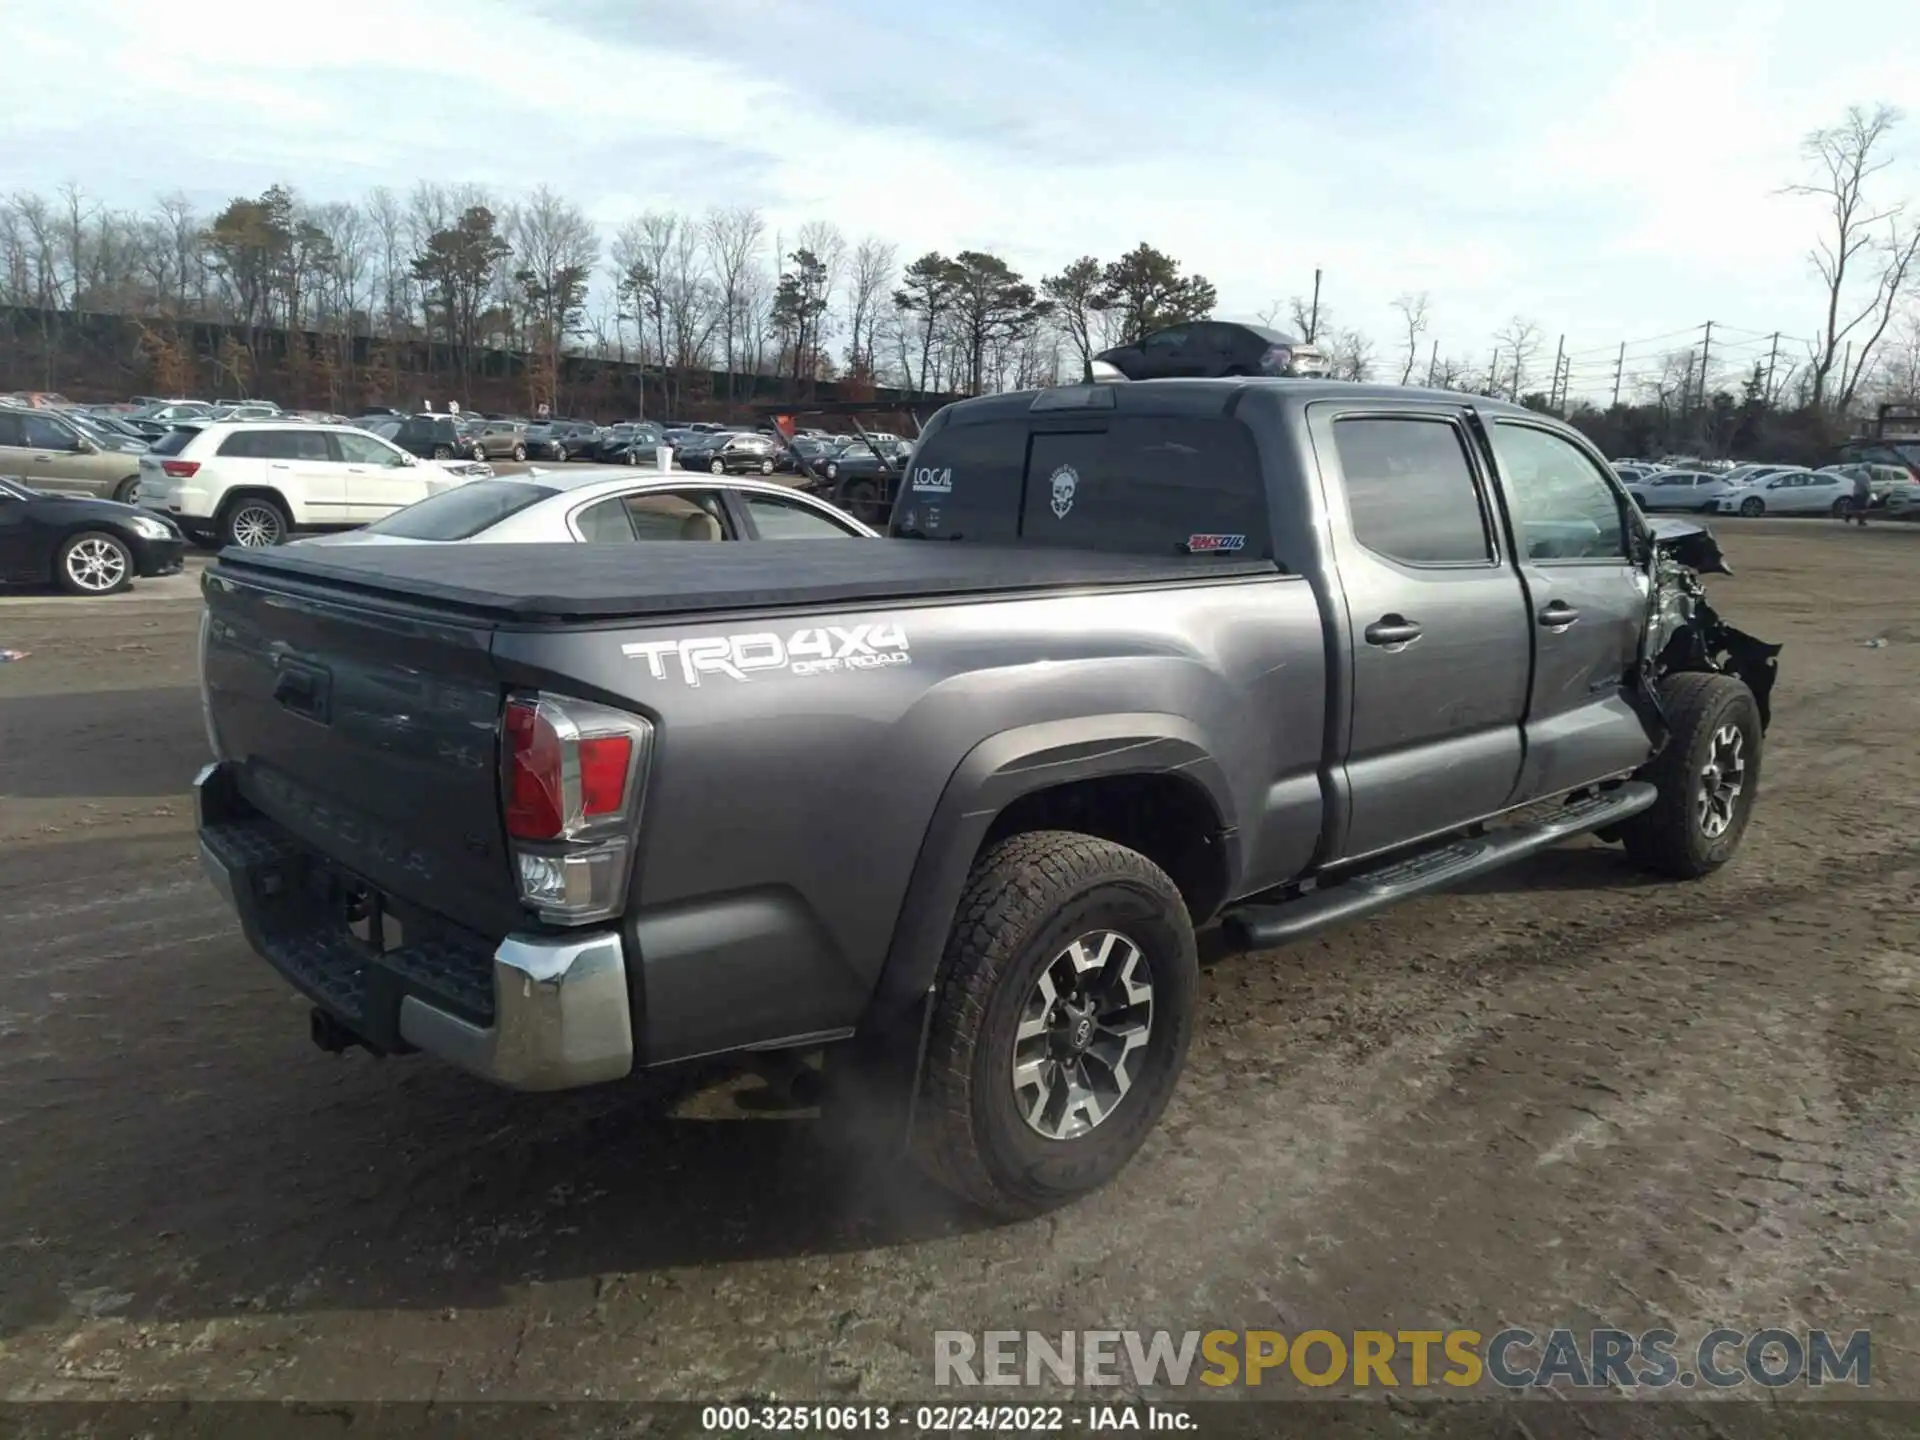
(1433, 364)
(1706, 349)
(1493, 372)
(1313, 315)
(1619, 367)
(1553, 391)
(1686, 390)
(1772, 355)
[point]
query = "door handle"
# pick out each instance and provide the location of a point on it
(1392, 630)
(1557, 615)
(279, 465)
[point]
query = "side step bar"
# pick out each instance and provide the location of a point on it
(1259, 927)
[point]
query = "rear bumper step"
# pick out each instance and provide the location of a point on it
(535, 1012)
(1258, 927)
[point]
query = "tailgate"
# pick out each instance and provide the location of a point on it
(371, 734)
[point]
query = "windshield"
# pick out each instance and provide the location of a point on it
(463, 512)
(385, 429)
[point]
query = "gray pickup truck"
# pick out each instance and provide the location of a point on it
(946, 808)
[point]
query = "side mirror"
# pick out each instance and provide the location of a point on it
(85, 446)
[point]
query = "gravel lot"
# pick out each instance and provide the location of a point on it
(1564, 1095)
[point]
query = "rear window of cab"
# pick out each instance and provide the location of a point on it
(1126, 484)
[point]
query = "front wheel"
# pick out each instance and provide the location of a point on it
(1753, 505)
(519, 452)
(1062, 1014)
(94, 563)
(718, 467)
(1708, 775)
(766, 467)
(560, 454)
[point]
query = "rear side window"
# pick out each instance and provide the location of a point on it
(462, 512)
(964, 484)
(173, 442)
(1410, 490)
(243, 445)
(295, 445)
(1145, 485)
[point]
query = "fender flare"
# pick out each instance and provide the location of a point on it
(994, 773)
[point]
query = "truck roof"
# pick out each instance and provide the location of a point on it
(1212, 393)
(544, 584)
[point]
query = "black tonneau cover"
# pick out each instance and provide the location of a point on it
(535, 584)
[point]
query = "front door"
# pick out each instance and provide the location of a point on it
(57, 460)
(1437, 624)
(1587, 602)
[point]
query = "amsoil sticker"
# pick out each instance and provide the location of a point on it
(1215, 544)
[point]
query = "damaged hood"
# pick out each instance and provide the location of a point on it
(1689, 543)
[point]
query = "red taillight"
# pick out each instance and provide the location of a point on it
(181, 469)
(534, 785)
(604, 762)
(571, 776)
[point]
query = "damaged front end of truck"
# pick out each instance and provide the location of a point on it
(1685, 632)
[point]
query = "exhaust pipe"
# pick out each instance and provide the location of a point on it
(329, 1034)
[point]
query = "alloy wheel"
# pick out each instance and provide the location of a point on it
(1082, 1035)
(255, 527)
(96, 565)
(1722, 780)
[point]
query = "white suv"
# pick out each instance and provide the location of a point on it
(255, 483)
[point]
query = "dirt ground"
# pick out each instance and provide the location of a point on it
(1565, 1095)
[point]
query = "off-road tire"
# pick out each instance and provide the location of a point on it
(1668, 838)
(1027, 898)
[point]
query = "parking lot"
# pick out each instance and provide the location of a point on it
(1566, 1095)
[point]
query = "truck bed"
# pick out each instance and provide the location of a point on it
(552, 584)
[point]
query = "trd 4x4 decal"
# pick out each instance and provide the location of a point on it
(818, 650)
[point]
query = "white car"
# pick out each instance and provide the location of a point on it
(1694, 490)
(602, 506)
(1797, 492)
(255, 483)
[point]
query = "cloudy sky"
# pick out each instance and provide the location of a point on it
(1608, 169)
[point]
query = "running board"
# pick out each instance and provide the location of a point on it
(1259, 927)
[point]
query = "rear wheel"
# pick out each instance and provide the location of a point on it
(127, 492)
(560, 453)
(93, 563)
(1842, 508)
(1753, 505)
(1708, 775)
(254, 522)
(1063, 1011)
(519, 452)
(441, 452)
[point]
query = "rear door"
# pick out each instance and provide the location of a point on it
(56, 461)
(1586, 606)
(301, 466)
(1437, 618)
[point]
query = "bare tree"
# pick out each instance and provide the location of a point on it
(733, 240)
(1520, 339)
(869, 279)
(1866, 240)
(1414, 322)
(1348, 352)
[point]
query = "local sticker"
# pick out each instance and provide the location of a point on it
(1215, 544)
(1064, 481)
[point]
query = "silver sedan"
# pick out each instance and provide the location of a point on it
(606, 506)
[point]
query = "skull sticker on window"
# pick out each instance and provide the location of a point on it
(1065, 481)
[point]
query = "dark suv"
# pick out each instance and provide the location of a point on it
(561, 439)
(431, 437)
